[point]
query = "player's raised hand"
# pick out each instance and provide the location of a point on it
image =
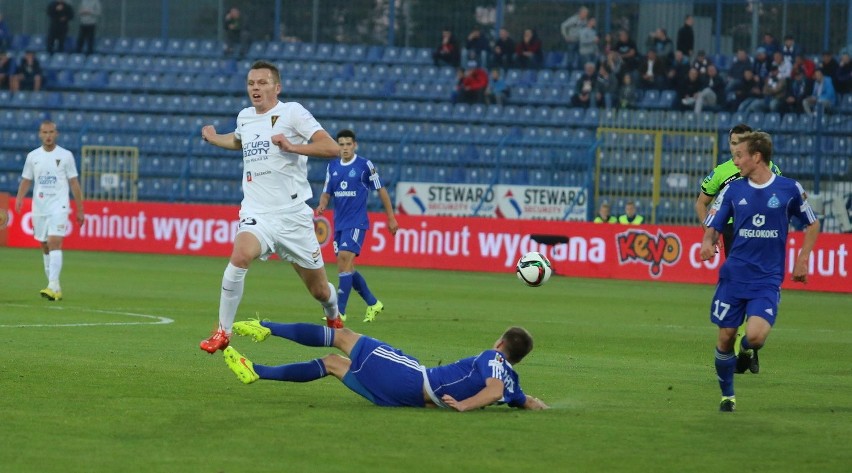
(208, 132)
(283, 143)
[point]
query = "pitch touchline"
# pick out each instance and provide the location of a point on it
(156, 320)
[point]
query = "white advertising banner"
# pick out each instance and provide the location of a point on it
(514, 202)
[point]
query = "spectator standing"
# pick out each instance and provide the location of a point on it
(528, 53)
(652, 72)
(823, 93)
(630, 217)
(686, 37)
(843, 84)
(233, 32)
(586, 93)
(5, 34)
(790, 49)
(626, 48)
(477, 46)
(497, 91)
(59, 15)
(504, 49)
(571, 33)
(7, 72)
(447, 53)
(29, 75)
(588, 42)
(90, 13)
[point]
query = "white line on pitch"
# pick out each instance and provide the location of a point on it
(157, 319)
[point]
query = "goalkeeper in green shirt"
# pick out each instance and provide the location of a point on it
(720, 177)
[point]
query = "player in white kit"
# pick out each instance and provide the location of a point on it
(53, 170)
(275, 139)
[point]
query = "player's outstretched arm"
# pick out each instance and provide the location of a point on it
(321, 146)
(800, 269)
(491, 393)
(229, 141)
(393, 226)
(534, 404)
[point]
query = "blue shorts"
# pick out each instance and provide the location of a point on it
(349, 240)
(384, 375)
(732, 302)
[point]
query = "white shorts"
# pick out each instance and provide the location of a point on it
(55, 224)
(290, 235)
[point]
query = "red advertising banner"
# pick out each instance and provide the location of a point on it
(647, 252)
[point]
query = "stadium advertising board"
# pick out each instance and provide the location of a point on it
(647, 252)
(502, 201)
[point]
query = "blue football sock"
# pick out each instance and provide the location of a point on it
(309, 335)
(360, 285)
(745, 344)
(725, 365)
(295, 372)
(344, 288)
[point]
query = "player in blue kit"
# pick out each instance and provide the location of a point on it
(749, 286)
(350, 179)
(386, 376)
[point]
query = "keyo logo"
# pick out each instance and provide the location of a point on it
(639, 246)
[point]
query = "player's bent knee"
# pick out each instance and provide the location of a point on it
(336, 365)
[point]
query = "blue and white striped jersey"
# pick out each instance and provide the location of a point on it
(467, 376)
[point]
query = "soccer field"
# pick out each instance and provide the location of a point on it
(111, 378)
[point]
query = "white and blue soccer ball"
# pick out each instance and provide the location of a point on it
(533, 269)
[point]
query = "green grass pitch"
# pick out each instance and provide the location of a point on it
(87, 386)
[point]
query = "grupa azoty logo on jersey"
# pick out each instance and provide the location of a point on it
(256, 147)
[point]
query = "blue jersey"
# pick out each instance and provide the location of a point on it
(466, 377)
(761, 218)
(350, 184)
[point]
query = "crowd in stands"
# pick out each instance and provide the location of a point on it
(778, 77)
(615, 71)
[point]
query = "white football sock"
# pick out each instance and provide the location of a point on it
(330, 306)
(55, 269)
(233, 282)
(46, 259)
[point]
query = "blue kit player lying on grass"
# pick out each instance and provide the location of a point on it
(386, 376)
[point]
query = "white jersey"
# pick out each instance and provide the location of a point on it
(272, 179)
(50, 171)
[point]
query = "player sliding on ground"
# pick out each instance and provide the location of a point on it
(386, 376)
